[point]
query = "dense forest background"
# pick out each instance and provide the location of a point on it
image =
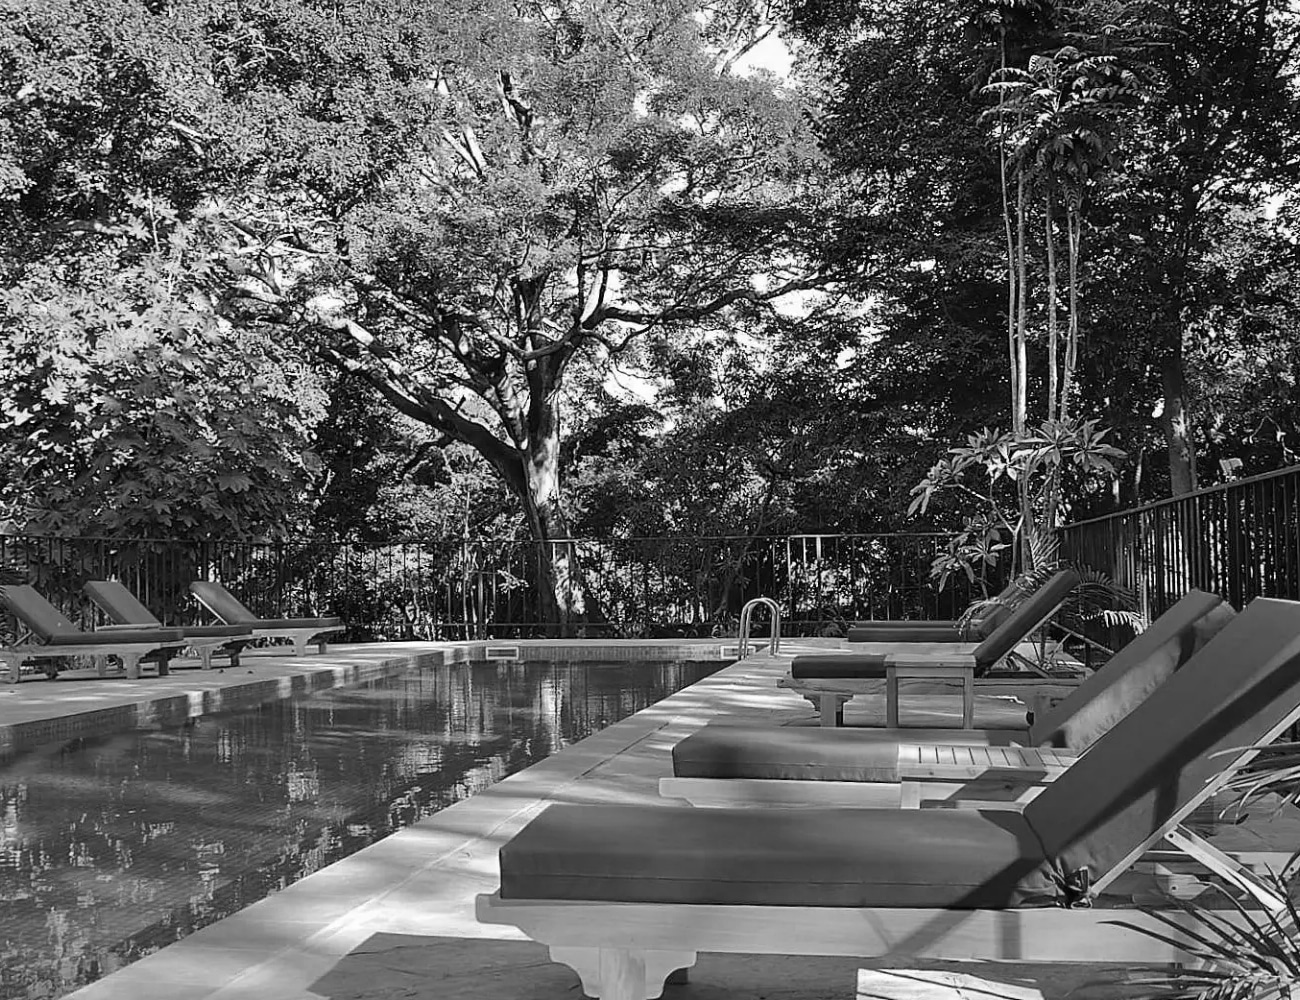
(347, 269)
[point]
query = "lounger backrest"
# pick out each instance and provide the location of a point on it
(43, 619)
(998, 608)
(1025, 617)
(992, 614)
(1128, 677)
(222, 603)
(119, 603)
(1158, 764)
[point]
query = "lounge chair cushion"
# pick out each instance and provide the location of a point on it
(916, 632)
(957, 859)
(905, 623)
(43, 618)
(1022, 620)
(980, 626)
(826, 666)
(217, 632)
(323, 624)
(120, 637)
(1245, 681)
(793, 753)
(51, 628)
(120, 604)
(222, 603)
(1144, 664)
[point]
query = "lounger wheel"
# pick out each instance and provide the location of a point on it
(624, 974)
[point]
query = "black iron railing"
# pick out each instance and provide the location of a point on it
(1240, 540)
(457, 589)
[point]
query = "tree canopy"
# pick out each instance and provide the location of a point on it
(359, 269)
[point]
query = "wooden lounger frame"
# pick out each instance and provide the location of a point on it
(625, 951)
(830, 695)
(130, 653)
(204, 646)
(300, 637)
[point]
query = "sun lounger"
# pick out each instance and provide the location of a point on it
(300, 631)
(127, 611)
(724, 765)
(978, 625)
(627, 894)
(51, 636)
(831, 680)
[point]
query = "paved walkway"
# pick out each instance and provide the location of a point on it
(397, 920)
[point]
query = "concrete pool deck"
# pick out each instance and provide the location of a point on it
(397, 918)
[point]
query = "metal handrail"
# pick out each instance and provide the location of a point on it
(774, 647)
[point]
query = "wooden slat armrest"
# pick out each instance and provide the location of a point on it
(952, 776)
(954, 762)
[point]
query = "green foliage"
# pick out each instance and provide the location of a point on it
(994, 471)
(1156, 120)
(1258, 960)
(750, 430)
(131, 409)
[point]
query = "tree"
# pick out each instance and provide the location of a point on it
(504, 195)
(994, 471)
(1222, 131)
(130, 411)
(1140, 184)
(129, 406)
(452, 210)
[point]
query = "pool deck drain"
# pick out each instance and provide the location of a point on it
(396, 919)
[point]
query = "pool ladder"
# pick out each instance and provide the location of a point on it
(746, 614)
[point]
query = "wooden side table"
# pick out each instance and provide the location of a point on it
(901, 666)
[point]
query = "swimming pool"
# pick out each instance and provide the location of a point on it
(113, 847)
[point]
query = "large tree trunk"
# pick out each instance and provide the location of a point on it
(1175, 421)
(559, 582)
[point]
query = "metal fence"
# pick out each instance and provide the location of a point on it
(1240, 540)
(459, 589)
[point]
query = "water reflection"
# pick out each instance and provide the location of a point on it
(113, 847)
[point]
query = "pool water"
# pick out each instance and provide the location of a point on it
(112, 847)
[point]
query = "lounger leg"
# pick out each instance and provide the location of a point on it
(320, 647)
(300, 647)
(13, 667)
(132, 663)
(831, 709)
(205, 657)
(619, 974)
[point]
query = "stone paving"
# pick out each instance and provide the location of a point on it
(397, 918)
